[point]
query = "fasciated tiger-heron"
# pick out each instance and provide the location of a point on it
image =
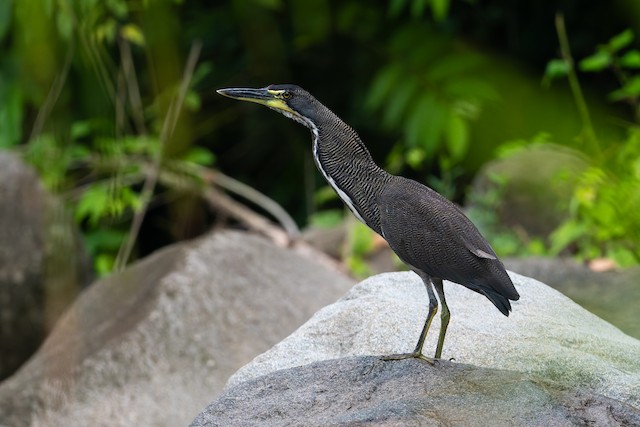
(427, 231)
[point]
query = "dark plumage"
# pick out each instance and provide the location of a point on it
(424, 229)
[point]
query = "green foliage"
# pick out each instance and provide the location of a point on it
(327, 218)
(86, 88)
(603, 217)
(431, 95)
(102, 164)
(483, 213)
(439, 8)
(360, 243)
(556, 68)
(616, 55)
(105, 200)
(104, 242)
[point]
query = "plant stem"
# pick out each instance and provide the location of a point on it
(150, 182)
(587, 126)
(251, 194)
(54, 94)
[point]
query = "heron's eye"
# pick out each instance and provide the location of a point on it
(286, 94)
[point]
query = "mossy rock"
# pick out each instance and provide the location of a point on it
(529, 190)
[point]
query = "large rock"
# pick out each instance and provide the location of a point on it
(366, 390)
(547, 339)
(152, 345)
(528, 191)
(612, 295)
(43, 265)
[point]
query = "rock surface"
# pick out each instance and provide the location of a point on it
(43, 265)
(152, 345)
(548, 339)
(530, 189)
(612, 295)
(366, 390)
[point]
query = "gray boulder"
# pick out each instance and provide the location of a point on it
(367, 391)
(152, 345)
(612, 295)
(529, 190)
(43, 264)
(547, 339)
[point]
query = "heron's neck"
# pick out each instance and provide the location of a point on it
(347, 165)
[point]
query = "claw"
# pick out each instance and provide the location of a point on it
(414, 355)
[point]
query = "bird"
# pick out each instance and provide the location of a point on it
(427, 231)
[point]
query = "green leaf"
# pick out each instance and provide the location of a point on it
(127, 199)
(620, 41)
(80, 129)
(361, 238)
(382, 85)
(358, 267)
(630, 89)
(133, 34)
(105, 200)
(93, 205)
(200, 156)
(326, 219)
(536, 247)
(192, 100)
(426, 123)
(104, 264)
(106, 31)
(567, 233)
(631, 59)
(118, 8)
(596, 62)
(457, 137)
(623, 257)
(395, 159)
(556, 68)
(65, 23)
(203, 70)
(418, 115)
(103, 239)
(398, 101)
(415, 157)
(147, 145)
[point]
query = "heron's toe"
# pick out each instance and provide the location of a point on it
(414, 355)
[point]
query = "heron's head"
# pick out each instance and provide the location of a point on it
(290, 100)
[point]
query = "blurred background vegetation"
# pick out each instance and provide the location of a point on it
(114, 103)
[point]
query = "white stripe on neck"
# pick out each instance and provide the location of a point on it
(316, 138)
(345, 198)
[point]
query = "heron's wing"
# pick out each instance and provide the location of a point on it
(431, 234)
(476, 250)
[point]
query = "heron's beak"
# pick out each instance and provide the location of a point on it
(264, 96)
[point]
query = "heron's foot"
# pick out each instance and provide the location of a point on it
(414, 355)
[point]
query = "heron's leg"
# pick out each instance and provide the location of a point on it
(444, 323)
(433, 309)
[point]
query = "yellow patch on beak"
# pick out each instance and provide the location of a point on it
(278, 104)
